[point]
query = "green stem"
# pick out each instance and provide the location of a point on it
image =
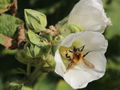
(35, 74)
(28, 69)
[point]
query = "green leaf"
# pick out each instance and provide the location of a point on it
(5, 5)
(36, 39)
(5, 1)
(9, 25)
(36, 51)
(62, 85)
(35, 20)
(1, 40)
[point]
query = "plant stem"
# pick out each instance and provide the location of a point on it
(35, 74)
(28, 69)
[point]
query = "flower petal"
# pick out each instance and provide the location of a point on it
(60, 67)
(89, 15)
(93, 41)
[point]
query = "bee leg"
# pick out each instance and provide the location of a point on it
(69, 66)
(82, 48)
(88, 64)
(86, 54)
(74, 49)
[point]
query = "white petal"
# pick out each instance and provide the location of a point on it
(60, 67)
(77, 78)
(67, 42)
(93, 41)
(89, 15)
(99, 61)
(81, 75)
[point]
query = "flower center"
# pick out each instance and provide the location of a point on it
(75, 55)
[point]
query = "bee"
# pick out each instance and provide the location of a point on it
(75, 56)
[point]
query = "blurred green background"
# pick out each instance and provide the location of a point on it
(55, 11)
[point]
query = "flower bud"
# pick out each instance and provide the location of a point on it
(35, 20)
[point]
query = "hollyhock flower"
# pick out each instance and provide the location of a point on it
(89, 15)
(80, 58)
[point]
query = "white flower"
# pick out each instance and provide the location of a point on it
(80, 58)
(89, 15)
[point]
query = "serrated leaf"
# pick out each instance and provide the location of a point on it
(9, 24)
(36, 39)
(35, 20)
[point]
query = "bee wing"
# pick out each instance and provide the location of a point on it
(88, 64)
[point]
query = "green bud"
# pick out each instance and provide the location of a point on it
(24, 57)
(73, 28)
(69, 28)
(36, 39)
(35, 20)
(28, 54)
(36, 51)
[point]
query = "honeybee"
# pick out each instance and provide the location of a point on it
(75, 56)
